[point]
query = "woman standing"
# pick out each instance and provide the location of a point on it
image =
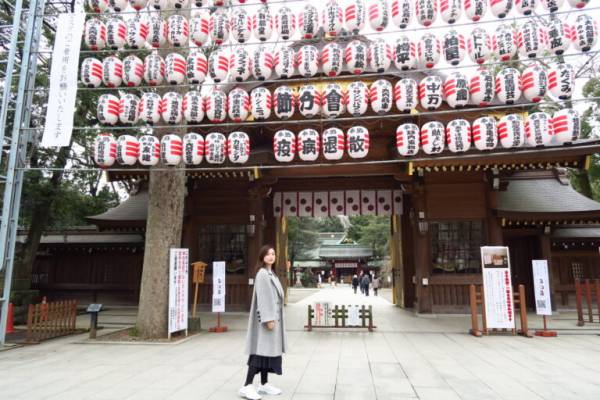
(265, 340)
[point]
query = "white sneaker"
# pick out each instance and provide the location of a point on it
(269, 389)
(249, 392)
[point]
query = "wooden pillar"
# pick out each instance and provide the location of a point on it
(256, 222)
(281, 250)
(422, 245)
(398, 270)
(493, 222)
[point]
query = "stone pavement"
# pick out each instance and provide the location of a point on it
(408, 357)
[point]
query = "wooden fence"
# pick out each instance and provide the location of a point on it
(49, 320)
(341, 319)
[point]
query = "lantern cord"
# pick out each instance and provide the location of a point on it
(328, 121)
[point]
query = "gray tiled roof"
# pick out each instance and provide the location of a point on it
(579, 233)
(349, 250)
(135, 208)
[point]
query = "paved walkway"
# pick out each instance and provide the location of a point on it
(408, 357)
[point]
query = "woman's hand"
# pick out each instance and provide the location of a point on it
(270, 325)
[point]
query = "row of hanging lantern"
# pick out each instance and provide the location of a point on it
(511, 131)
(238, 105)
(148, 150)
(358, 57)
(239, 24)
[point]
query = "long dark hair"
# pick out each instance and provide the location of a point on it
(261, 256)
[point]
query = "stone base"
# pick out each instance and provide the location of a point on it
(194, 324)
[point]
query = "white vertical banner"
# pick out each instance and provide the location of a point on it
(63, 79)
(497, 286)
(178, 289)
(218, 298)
(353, 315)
(541, 286)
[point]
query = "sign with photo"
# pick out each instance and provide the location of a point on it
(178, 289)
(218, 298)
(541, 286)
(497, 286)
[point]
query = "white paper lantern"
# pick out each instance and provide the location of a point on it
(238, 105)
(285, 23)
(380, 55)
(178, 30)
(504, 43)
(484, 133)
(332, 141)
(261, 103)
(561, 80)
(508, 85)
(308, 145)
(358, 98)
(456, 90)
(525, 7)
(215, 148)
(118, 5)
(482, 88)
(431, 92)
(333, 101)
(157, 31)
(116, 33)
(154, 69)
(406, 94)
(458, 135)
(91, 72)
(262, 24)
(433, 135)
(378, 14)
(450, 10)
(309, 101)
(216, 105)
(149, 153)
(171, 149)
(193, 107)
(355, 16)
(218, 65)
(332, 18)
(129, 109)
(479, 46)
(133, 71)
(137, 31)
(307, 60)
(331, 59)
(357, 142)
(381, 96)
(585, 33)
(175, 68)
(284, 146)
(534, 83)
(426, 11)
(219, 27)
(538, 129)
(193, 148)
(402, 11)
(356, 56)
(405, 54)
(241, 25)
(553, 5)
(159, 4)
(284, 62)
(309, 22)
(197, 67)
(128, 149)
(407, 139)
(500, 8)
(238, 147)
(98, 6)
(454, 46)
(240, 64)
(105, 150)
(200, 28)
(171, 108)
(150, 108)
(112, 71)
(511, 131)
(559, 36)
(532, 39)
(138, 4)
(475, 9)
(566, 126)
(429, 50)
(284, 102)
(94, 34)
(577, 3)
(262, 63)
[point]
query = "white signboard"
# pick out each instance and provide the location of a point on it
(218, 299)
(178, 289)
(63, 80)
(541, 286)
(353, 316)
(497, 287)
(322, 313)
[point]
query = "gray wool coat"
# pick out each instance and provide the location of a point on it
(267, 305)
